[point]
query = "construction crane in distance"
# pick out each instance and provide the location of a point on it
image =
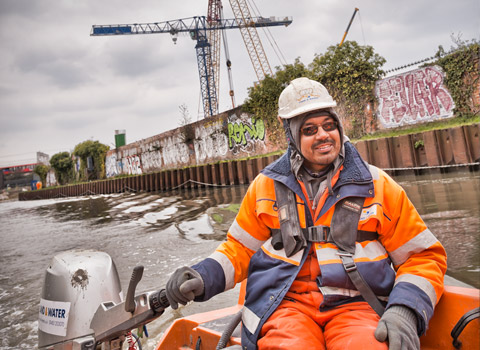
(214, 16)
(252, 40)
(348, 27)
(197, 27)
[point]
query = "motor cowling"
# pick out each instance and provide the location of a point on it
(75, 284)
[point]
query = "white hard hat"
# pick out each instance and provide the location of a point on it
(301, 96)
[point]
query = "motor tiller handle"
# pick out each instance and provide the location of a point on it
(136, 277)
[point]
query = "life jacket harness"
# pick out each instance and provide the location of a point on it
(343, 232)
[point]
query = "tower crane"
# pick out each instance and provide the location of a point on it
(252, 40)
(214, 15)
(197, 27)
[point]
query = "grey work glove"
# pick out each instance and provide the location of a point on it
(398, 325)
(183, 286)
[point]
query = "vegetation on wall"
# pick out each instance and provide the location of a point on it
(188, 133)
(349, 72)
(62, 163)
(262, 99)
(461, 75)
(97, 152)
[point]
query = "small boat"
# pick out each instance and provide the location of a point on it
(82, 306)
(457, 301)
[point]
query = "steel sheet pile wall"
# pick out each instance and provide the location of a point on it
(438, 149)
(238, 172)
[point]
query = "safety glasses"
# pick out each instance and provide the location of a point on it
(311, 130)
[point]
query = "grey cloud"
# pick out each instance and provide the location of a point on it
(19, 7)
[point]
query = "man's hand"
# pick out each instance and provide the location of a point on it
(398, 325)
(183, 286)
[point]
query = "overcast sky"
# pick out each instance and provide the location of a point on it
(59, 86)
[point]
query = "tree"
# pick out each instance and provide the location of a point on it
(62, 163)
(461, 69)
(188, 133)
(97, 152)
(262, 99)
(41, 170)
(349, 73)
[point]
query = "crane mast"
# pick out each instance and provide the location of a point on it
(252, 40)
(214, 15)
(198, 28)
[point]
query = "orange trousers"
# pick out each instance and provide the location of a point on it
(298, 322)
(297, 325)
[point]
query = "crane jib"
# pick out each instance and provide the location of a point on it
(188, 24)
(198, 27)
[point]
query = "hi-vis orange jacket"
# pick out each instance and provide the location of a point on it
(405, 266)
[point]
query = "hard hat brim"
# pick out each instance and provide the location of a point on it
(306, 109)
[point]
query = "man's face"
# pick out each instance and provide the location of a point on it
(322, 147)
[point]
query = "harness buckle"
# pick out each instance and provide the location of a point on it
(347, 260)
(349, 267)
(318, 234)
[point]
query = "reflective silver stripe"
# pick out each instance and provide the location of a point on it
(372, 251)
(227, 267)
(339, 291)
(345, 292)
(250, 320)
(244, 237)
(280, 254)
(417, 244)
(374, 171)
(421, 283)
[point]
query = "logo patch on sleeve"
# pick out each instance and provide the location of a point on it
(368, 212)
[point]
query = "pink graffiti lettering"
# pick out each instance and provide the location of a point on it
(412, 97)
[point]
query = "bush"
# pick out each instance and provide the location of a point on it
(97, 151)
(62, 163)
(41, 170)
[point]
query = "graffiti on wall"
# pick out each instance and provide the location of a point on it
(174, 151)
(244, 132)
(413, 97)
(213, 140)
(210, 141)
(113, 167)
(51, 179)
(132, 165)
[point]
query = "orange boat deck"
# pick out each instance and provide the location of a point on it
(203, 331)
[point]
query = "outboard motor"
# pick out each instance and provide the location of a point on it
(76, 283)
(82, 303)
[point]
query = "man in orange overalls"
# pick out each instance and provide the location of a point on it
(305, 292)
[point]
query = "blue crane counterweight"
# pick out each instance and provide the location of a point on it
(197, 27)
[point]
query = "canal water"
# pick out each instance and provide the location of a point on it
(166, 230)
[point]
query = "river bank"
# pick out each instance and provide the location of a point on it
(434, 151)
(12, 194)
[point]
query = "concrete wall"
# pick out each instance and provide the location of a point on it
(228, 136)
